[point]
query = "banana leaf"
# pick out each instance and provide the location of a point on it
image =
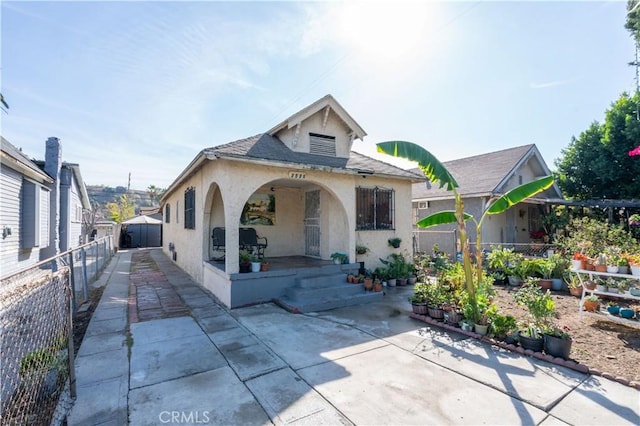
(432, 168)
(519, 194)
(441, 218)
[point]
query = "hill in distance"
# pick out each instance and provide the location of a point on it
(102, 195)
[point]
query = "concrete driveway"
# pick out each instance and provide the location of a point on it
(363, 365)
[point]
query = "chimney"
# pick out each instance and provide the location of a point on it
(53, 167)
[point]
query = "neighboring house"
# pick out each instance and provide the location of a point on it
(301, 187)
(42, 207)
(103, 228)
(153, 211)
(481, 179)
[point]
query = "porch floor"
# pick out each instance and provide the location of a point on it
(284, 262)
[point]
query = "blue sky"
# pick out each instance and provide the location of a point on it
(142, 87)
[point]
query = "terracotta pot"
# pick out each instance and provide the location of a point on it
(591, 306)
(368, 283)
(590, 285)
(545, 284)
(264, 267)
(377, 286)
(575, 291)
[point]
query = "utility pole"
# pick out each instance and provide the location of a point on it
(636, 64)
(129, 183)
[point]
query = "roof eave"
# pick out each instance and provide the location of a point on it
(30, 172)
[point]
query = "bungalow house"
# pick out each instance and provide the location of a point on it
(299, 193)
(42, 203)
(481, 179)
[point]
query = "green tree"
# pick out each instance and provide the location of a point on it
(121, 210)
(155, 194)
(633, 19)
(596, 165)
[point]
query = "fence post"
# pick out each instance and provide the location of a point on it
(70, 344)
(72, 278)
(95, 277)
(85, 279)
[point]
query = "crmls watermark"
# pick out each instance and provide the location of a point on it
(181, 417)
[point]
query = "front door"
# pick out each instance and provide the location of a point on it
(312, 223)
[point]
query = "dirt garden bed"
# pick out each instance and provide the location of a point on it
(602, 345)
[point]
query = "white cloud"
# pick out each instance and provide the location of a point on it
(548, 84)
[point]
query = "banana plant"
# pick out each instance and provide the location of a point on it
(436, 172)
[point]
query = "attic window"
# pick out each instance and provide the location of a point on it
(322, 144)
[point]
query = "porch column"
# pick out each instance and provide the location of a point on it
(232, 237)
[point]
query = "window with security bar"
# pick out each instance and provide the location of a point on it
(375, 208)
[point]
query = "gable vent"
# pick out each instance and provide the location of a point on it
(322, 144)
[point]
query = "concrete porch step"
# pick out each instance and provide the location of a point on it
(323, 280)
(325, 304)
(325, 292)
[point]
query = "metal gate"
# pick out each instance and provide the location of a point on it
(312, 223)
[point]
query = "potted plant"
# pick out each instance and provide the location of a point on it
(503, 325)
(437, 296)
(573, 282)
(600, 263)
(579, 261)
(419, 298)
(255, 263)
(245, 262)
(264, 264)
(540, 309)
(377, 285)
(520, 271)
(561, 265)
(557, 341)
(394, 242)
(591, 303)
(361, 249)
(501, 262)
(545, 268)
(623, 265)
(339, 257)
(634, 264)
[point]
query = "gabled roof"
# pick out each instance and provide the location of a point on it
(484, 174)
(13, 158)
(327, 102)
(77, 176)
(267, 148)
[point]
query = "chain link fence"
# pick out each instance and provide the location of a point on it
(37, 307)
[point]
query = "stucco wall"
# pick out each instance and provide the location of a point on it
(235, 181)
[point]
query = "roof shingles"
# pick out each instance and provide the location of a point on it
(266, 147)
(480, 174)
